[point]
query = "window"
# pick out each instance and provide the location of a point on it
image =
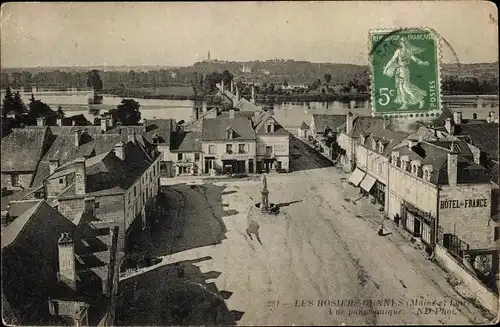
(154, 170)
(61, 180)
(179, 156)
(129, 195)
(269, 128)
(229, 148)
(96, 205)
(135, 192)
(229, 134)
(269, 150)
(211, 149)
(374, 144)
(14, 179)
(196, 157)
(241, 148)
(38, 195)
(156, 139)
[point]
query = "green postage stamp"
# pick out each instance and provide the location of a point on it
(405, 73)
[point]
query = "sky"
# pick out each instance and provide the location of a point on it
(180, 34)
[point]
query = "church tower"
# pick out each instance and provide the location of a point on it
(208, 57)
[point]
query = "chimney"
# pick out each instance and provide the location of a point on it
(495, 120)
(59, 121)
(77, 135)
(420, 138)
(104, 124)
(80, 176)
(110, 122)
(474, 116)
(131, 136)
(231, 113)
(253, 94)
(452, 168)
(237, 94)
(89, 205)
(349, 122)
(145, 125)
(457, 117)
(222, 85)
(40, 121)
(491, 117)
(53, 165)
(449, 126)
(412, 143)
(73, 123)
(67, 269)
(195, 113)
(120, 151)
(232, 86)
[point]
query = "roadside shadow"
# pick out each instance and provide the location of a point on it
(286, 204)
(229, 192)
(161, 298)
(182, 218)
(231, 212)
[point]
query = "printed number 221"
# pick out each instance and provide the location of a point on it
(385, 96)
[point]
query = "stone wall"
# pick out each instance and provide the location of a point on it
(487, 299)
(24, 180)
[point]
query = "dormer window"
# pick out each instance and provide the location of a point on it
(374, 145)
(229, 134)
(156, 139)
(270, 127)
(427, 172)
(404, 163)
(381, 147)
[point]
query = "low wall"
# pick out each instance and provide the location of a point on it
(487, 298)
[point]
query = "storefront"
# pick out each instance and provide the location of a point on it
(379, 192)
(418, 223)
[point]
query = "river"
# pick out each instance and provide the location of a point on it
(288, 114)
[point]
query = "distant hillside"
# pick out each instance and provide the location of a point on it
(34, 70)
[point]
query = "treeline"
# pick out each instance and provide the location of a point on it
(205, 82)
(110, 79)
(469, 86)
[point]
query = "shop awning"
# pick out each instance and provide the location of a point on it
(368, 183)
(356, 177)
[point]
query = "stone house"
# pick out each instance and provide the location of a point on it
(186, 153)
(273, 144)
(322, 125)
(120, 184)
(228, 145)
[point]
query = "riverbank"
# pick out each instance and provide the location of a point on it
(213, 98)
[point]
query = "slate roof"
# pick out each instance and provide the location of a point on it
(107, 174)
(22, 149)
(437, 156)
(260, 128)
(214, 129)
(245, 105)
(30, 265)
(333, 122)
(64, 148)
(482, 135)
(162, 127)
(363, 123)
(186, 142)
(243, 114)
(388, 137)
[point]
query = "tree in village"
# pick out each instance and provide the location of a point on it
(60, 112)
(39, 109)
(127, 112)
(285, 83)
(328, 78)
(12, 103)
(94, 80)
(227, 77)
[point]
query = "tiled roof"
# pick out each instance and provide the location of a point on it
(108, 175)
(192, 126)
(23, 148)
(186, 142)
(214, 129)
(260, 128)
(162, 127)
(484, 136)
(333, 122)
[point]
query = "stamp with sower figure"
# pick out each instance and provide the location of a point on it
(405, 73)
